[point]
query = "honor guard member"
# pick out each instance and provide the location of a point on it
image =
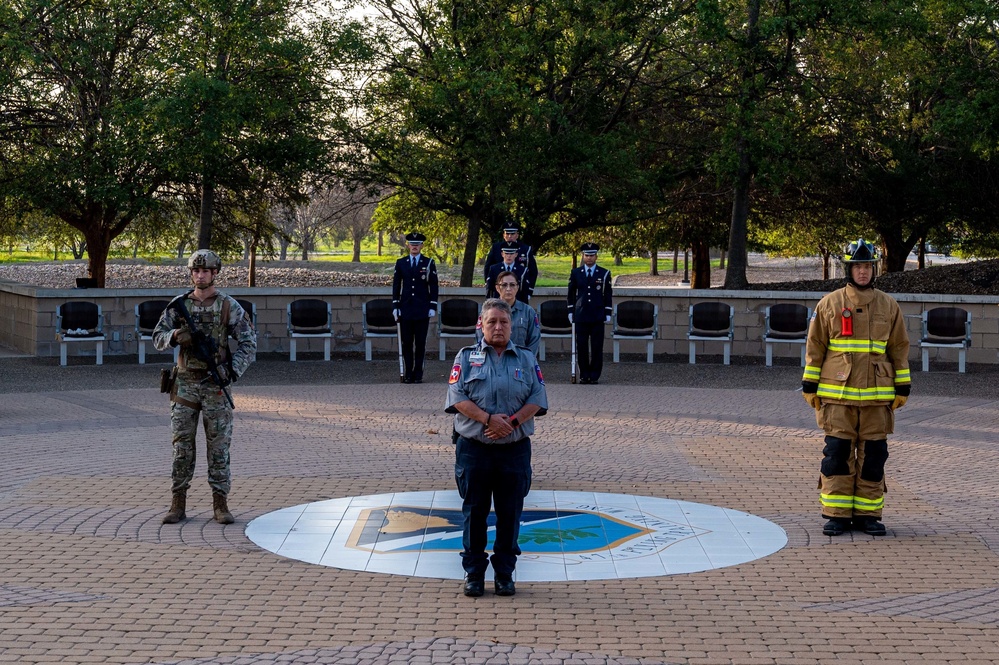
(414, 302)
(509, 264)
(856, 376)
(525, 329)
(495, 391)
(195, 391)
(525, 258)
(590, 308)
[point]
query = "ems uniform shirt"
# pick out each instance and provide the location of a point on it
(525, 329)
(497, 383)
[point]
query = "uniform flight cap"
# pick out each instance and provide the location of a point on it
(589, 248)
(415, 237)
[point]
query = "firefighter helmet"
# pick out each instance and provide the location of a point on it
(861, 251)
(204, 258)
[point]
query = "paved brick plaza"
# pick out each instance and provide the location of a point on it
(89, 575)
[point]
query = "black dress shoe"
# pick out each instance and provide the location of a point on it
(594, 382)
(474, 587)
(419, 380)
(835, 526)
(504, 587)
(583, 381)
(869, 525)
(406, 379)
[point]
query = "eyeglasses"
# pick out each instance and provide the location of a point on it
(507, 286)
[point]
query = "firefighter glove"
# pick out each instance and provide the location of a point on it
(899, 402)
(813, 400)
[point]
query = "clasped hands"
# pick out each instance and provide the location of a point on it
(498, 426)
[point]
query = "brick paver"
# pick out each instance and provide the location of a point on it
(89, 575)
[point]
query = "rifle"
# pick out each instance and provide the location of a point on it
(205, 348)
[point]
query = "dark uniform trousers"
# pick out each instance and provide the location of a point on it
(414, 334)
(487, 474)
(590, 349)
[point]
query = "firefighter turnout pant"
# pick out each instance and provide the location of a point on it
(852, 480)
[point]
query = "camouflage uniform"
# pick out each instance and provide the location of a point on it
(195, 391)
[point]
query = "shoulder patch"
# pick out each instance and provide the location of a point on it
(455, 373)
(537, 370)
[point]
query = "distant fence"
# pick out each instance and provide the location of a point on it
(27, 318)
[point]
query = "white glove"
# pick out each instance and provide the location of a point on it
(433, 313)
(570, 318)
(395, 314)
(607, 319)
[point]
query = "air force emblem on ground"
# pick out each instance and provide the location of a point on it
(564, 535)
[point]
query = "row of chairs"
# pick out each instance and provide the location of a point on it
(785, 323)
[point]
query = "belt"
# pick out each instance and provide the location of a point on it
(197, 374)
(526, 439)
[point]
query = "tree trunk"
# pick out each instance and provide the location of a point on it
(735, 275)
(618, 260)
(700, 274)
(654, 262)
(721, 263)
(283, 252)
(252, 262)
(98, 247)
(825, 265)
(356, 254)
(897, 248)
(207, 211)
(922, 254)
(381, 241)
(676, 260)
(471, 248)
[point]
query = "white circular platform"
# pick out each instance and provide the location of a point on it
(564, 535)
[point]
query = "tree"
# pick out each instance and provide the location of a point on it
(75, 140)
(249, 104)
(492, 111)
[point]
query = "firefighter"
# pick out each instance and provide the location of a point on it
(856, 377)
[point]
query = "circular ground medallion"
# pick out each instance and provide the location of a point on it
(564, 535)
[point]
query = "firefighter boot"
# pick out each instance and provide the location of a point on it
(870, 525)
(177, 507)
(221, 508)
(836, 526)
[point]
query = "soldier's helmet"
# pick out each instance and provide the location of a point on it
(204, 258)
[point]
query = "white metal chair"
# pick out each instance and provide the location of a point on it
(946, 328)
(711, 322)
(147, 315)
(78, 321)
(553, 317)
(377, 321)
(309, 318)
(786, 323)
(635, 319)
(457, 318)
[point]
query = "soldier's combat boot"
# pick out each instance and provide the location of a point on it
(177, 507)
(222, 514)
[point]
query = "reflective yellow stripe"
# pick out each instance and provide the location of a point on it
(860, 503)
(902, 376)
(858, 394)
(812, 373)
(854, 502)
(836, 500)
(857, 345)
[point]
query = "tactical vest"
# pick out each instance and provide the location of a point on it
(213, 321)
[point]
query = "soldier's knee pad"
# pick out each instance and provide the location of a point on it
(836, 460)
(875, 456)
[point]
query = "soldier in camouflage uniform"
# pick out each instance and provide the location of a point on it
(220, 317)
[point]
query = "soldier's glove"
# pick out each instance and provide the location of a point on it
(182, 338)
(395, 314)
(607, 319)
(226, 376)
(899, 402)
(813, 400)
(570, 318)
(433, 313)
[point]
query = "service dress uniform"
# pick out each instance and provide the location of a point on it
(194, 391)
(520, 270)
(414, 297)
(590, 306)
(493, 472)
(525, 329)
(525, 259)
(857, 364)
